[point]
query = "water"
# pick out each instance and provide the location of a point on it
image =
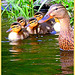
(34, 56)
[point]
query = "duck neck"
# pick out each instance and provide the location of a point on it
(65, 24)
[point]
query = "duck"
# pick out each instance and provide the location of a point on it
(51, 26)
(38, 15)
(32, 26)
(17, 32)
(22, 21)
(43, 28)
(66, 35)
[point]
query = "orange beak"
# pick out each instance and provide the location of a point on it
(45, 18)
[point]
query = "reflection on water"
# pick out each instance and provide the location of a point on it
(36, 56)
(15, 50)
(66, 61)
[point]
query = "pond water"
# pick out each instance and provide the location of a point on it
(34, 56)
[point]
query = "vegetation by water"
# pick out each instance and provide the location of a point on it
(25, 8)
(19, 8)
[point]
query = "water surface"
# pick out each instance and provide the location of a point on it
(34, 56)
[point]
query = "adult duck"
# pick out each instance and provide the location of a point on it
(16, 32)
(66, 36)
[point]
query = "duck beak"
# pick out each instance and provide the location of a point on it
(45, 18)
(9, 30)
(27, 25)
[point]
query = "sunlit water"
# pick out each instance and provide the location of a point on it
(34, 56)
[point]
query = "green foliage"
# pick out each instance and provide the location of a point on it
(25, 8)
(42, 5)
(19, 8)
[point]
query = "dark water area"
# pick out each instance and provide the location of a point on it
(34, 56)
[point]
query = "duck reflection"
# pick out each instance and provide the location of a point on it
(34, 44)
(17, 48)
(67, 61)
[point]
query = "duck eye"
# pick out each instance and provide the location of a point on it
(56, 8)
(21, 21)
(14, 26)
(36, 16)
(32, 22)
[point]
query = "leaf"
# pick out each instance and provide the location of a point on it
(42, 5)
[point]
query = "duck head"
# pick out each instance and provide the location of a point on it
(15, 27)
(32, 23)
(55, 11)
(22, 21)
(38, 15)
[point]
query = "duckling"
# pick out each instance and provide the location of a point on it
(22, 21)
(17, 33)
(44, 27)
(66, 35)
(38, 15)
(51, 26)
(32, 26)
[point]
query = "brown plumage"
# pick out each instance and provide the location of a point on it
(32, 26)
(16, 32)
(22, 21)
(43, 27)
(66, 36)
